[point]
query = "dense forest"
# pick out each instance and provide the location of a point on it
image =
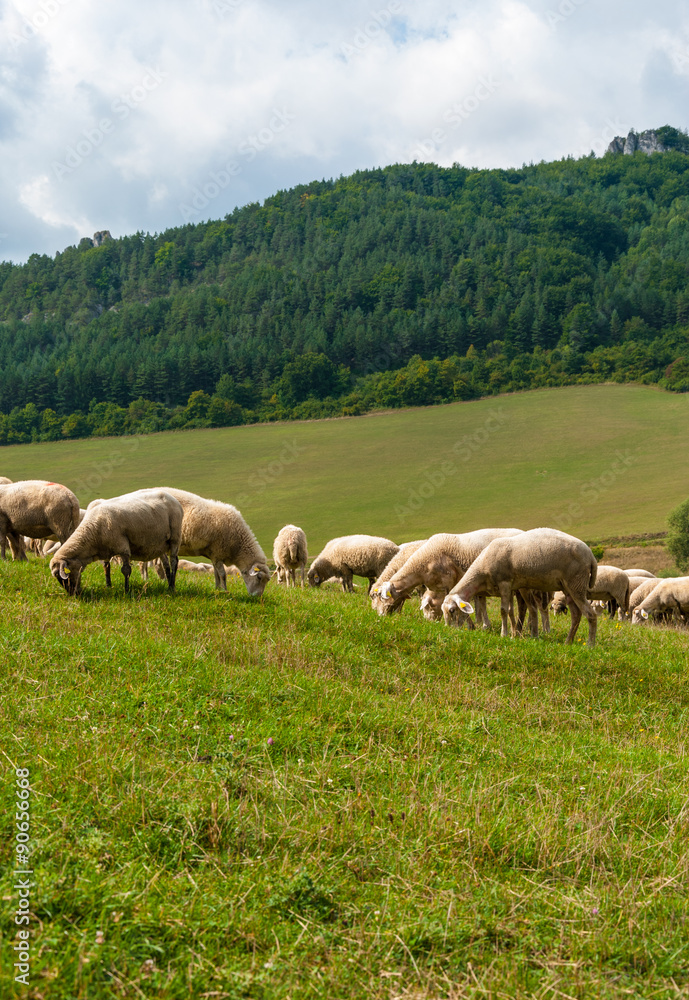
(402, 286)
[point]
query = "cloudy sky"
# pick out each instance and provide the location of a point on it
(145, 114)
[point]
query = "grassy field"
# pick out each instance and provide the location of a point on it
(294, 798)
(594, 460)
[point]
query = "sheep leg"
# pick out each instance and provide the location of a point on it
(220, 575)
(613, 608)
(346, 578)
(545, 615)
(106, 567)
(521, 613)
(482, 618)
(506, 610)
(170, 566)
(144, 571)
(17, 547)
(126, 572)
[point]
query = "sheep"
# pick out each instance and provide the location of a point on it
(38, 509)
(290, 554)
(612, 586)
(4, 481)
(543, 559)
(352, 555)
(641, 572)
(640, 592)
(406, 551)
(146, 524)
(667, 595)
(437, 565)
(219, 532)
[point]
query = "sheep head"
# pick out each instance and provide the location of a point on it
(431, 606)
(639, 615)
(455, 610)
(67, 572)
(256, 578)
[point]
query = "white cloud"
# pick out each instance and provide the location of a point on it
(189, 87)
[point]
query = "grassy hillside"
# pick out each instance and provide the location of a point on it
(294, 798)
(598, 461)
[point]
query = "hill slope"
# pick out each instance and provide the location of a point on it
(555, 273)
(595, 460)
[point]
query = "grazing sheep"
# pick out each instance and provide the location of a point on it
(543, 559)
(406, 551)
(640, 592)
(668, 595)
(640, 572)
(290, 554)
(146, 525)
(38, 509)
(612, 586)
(352, 555)
(4, 481)
(437, 565)
(219, 532)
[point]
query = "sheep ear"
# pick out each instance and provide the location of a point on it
(425, 600)
(317, 578)
(644, 614)
(255, 570)
(464, 606)
(65, 576)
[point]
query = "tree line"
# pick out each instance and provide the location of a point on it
(408, 285)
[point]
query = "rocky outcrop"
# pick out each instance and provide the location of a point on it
(639, 142)
(101, 237)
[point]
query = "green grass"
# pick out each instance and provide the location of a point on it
(551, 457)
(441, 814)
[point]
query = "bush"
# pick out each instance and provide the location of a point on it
(677, 541)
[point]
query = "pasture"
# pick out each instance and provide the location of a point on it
(596, 461)
(292, 797)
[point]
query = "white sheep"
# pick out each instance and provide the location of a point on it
(640, 592)
(641, 572)
(352, 555)
(146, 525)
(437, 565)
(37, 509)
(612, 586)
(406, 551)
(219, 532)
(668, 595)
(544, 560)
(290, 554)
(4, 481)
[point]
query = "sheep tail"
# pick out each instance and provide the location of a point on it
(594, 572)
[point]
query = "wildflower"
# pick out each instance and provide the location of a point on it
(100, 937)
(330, 781)
(231, 737)
(270, 741)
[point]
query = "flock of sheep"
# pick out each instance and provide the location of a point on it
(537, 569)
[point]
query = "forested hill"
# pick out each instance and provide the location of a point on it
(406, 285)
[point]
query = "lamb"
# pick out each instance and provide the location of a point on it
(437, 565)
(38, 509)
(352, 555)
(612, 586)
(668, 595)
(543, 559)
(406, 551)
(219, 532)
(290, 554)
(146, 525)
